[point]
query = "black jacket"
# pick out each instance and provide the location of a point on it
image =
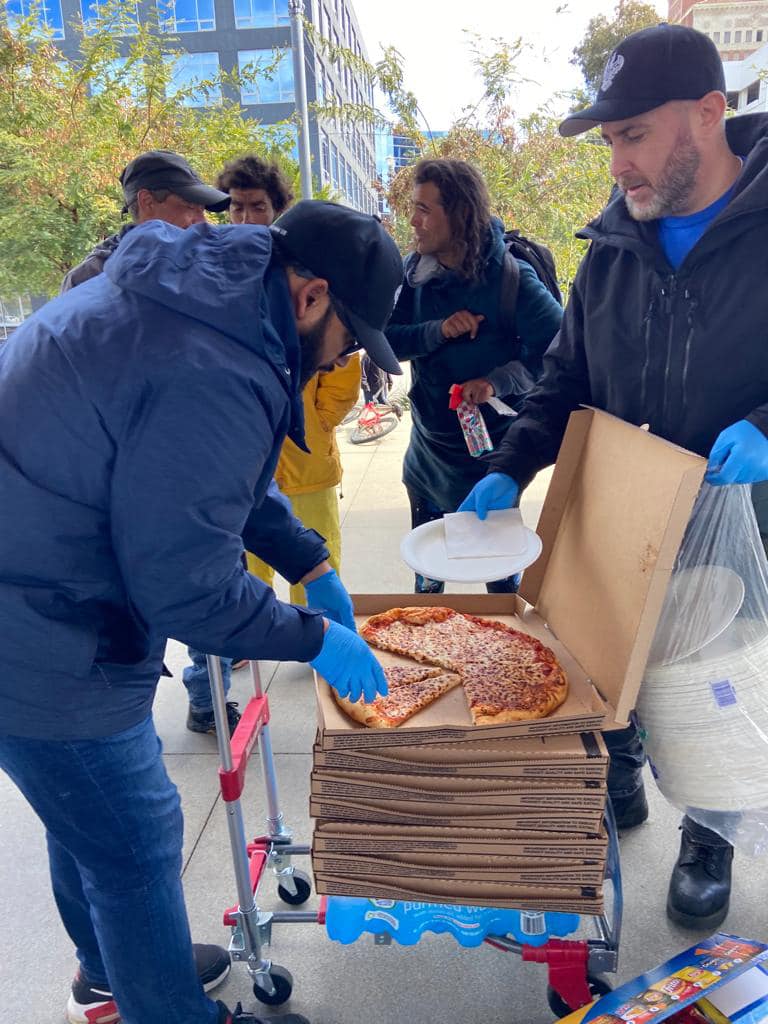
(685, 351)
(437, 464)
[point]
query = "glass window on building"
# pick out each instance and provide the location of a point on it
(732, 100)
(334, 165)
(191, 69)
(260, 13)
(325, 156)
(92, 11)
(737, 37)
(260, 88)
(748, 36)
(716, 37)
(47, 13)
(186, 15)
(753, 92)
(759, 36)
(132, 79)
(726, 37)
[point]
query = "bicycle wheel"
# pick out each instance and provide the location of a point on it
(373, 429)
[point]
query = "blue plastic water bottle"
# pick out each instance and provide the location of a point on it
(348, 917)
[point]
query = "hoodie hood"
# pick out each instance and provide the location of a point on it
(214, 274)
(223, 277)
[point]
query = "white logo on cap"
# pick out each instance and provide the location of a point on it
(612, 68)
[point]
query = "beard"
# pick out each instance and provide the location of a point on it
(672, 193)
(312, 344)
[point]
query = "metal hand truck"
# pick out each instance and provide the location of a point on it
(252, 927)
(575, 966)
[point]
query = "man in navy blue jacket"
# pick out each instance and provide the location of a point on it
(141, 418)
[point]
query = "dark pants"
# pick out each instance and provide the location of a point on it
(424, 511)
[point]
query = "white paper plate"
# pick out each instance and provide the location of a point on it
(700, 604)
(423, 549)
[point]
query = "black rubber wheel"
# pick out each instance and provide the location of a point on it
(303, 890)
(282, 979)
(598, 986)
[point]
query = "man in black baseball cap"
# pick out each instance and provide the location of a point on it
(648, 69)
(178, 372)
(665, 326)
(162, 170)
(350, 251)
(157, 185)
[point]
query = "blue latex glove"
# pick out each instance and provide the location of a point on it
(739, 456)
(329, 594)
(497, 490)
(347, 663)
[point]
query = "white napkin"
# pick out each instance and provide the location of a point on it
(500, 535)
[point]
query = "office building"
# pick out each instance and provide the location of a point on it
(233, 34)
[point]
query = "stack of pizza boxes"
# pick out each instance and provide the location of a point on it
(512, 815)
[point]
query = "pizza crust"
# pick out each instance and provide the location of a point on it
(403, 680)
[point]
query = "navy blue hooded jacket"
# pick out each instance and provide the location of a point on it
(141, 418)
(437, 464)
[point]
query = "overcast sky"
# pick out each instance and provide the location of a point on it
(430, 36)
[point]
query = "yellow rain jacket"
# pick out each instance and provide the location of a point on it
(327, 399)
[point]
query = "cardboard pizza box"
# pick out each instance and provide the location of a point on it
(448, 815)
(612, 523)
(440, 865)
(371, 839)
(579, 756)
(454, 792)
(573, 899)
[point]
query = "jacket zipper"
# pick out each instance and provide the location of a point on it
(668, 293)
(648, 321)
(692, 304)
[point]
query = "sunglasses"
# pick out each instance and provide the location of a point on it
(341, 312)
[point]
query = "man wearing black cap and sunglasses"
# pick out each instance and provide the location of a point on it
(665, 326)
(158, 185)
(142, 414)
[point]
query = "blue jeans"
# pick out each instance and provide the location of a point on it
(114, 829)
(195, 677)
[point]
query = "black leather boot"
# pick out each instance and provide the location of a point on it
(700, 887)
(625, 778)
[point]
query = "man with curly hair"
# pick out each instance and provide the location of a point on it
(449, 323)
(259, 191)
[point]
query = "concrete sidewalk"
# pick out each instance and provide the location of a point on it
(434, 982)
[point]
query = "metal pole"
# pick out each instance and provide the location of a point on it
(296, 11)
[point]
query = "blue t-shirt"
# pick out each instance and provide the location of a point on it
(678, 235)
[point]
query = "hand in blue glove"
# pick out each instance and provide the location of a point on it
(347, 663)
(329, 594)
(497, 490)
(739, 456)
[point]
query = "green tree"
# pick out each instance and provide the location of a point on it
(67, 130)
(604, 34)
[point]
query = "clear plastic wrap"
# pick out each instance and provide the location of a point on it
(703, 706)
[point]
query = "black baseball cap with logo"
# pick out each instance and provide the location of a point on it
(163, 169)
(353, 252)
(648, 69)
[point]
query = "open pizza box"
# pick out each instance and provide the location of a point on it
(368, 839)
(557, 758)
(611, 526)
(576, 899)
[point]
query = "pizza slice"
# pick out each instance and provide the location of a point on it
(410, 691)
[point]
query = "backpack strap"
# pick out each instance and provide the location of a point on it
(510, 286)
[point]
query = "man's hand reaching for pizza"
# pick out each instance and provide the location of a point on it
(347, 663)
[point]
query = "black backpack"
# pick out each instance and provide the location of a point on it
(517, 246)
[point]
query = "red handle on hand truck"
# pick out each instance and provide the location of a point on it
(253, 720)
